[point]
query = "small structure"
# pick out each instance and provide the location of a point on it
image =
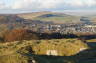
(52, 52)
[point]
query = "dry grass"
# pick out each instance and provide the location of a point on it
(13, 52)
(65, 47)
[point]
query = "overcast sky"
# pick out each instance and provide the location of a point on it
(11, 6)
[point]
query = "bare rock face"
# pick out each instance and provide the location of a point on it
(52, 52)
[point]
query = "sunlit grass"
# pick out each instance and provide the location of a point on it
(65, 47)
(17, 51)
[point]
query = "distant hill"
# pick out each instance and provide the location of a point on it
(93, 18)
(5, 19)
(32, 15)
(54, 17)
(51, 16)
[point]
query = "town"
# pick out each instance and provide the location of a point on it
(13, 22)
(70, 28)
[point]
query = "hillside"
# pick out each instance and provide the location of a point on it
(68, 51)
(92, 18)
(55, 17)
(51, 16)
(23, 51)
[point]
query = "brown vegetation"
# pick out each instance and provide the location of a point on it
(25, 34)
(20, 34)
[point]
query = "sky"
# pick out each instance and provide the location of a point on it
(12, 6)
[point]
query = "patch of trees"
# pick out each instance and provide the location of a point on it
(20, 34)
(56, 36)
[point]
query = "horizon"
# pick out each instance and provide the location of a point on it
(72, 12)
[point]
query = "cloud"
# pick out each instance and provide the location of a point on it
(2, 4)
(81, 3)
(36, 4)
(48, 4)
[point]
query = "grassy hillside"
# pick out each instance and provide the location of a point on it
(32, 15)
(21, 51)
(65, 47)
(92, 18)
(91, 40)
(51, 16)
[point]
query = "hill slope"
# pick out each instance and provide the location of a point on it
(51, 16)
(23, 51)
